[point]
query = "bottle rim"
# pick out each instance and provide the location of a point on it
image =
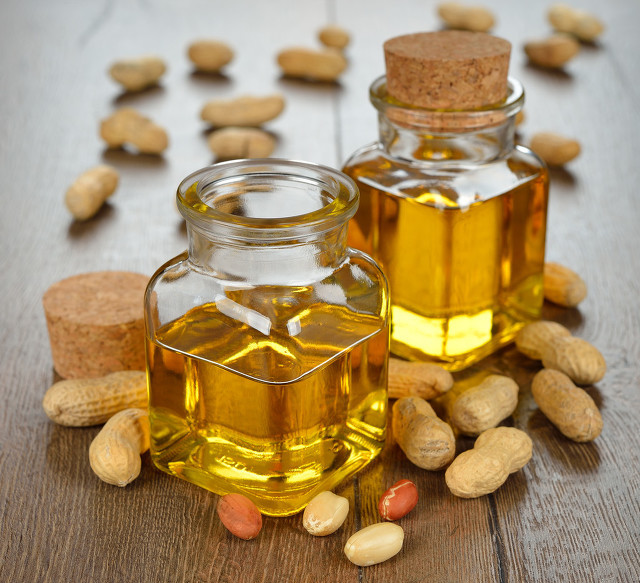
(446, 120)
(339, 196)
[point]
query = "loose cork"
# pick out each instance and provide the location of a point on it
(95, 323)
(448, 69)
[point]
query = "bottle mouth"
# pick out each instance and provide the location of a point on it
(446, 120)
(267, 199)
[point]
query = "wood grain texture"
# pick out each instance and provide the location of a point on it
(572, 514)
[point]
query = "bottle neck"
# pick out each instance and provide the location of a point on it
(425, 145)
(284, 262)
(446, 136)
(267, 222)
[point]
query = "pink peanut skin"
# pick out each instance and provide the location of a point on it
(398, 500)
(241, 516)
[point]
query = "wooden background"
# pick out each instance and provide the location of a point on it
(573, 514)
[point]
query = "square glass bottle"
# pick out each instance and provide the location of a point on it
(452, 210)
(267, 341)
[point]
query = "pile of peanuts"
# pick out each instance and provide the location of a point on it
(236, 123)
(119, 400)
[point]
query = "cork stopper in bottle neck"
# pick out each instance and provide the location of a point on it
(447, 69)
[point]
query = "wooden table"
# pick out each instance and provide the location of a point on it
(573, 514)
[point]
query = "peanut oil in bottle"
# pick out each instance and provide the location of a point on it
(228, 431)
(274, 386)
(453, 212)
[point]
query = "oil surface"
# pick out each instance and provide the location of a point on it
(276, 412)
(465, 271)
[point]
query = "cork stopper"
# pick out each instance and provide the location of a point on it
(449, 69)
(96, 323)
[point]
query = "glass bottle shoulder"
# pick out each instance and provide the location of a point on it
(195, 313)
(458, 184)
(356, 283)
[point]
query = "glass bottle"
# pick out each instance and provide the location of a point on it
(451, 209)
(267, 341)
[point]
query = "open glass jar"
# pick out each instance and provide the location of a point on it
(267, 341)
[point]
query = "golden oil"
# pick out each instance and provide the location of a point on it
(463, 279)
(314, 422)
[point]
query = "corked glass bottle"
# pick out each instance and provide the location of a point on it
(453, 211)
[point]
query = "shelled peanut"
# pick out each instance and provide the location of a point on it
(562, 285)
(552, 52)
(398, 500)
(85, 402)
(464, 17)
(568, 407)
(497, 453)
(244, 111)
(90, 190)
(427, 441)
(485, 405)
(138, 73)
(114, 454)
(374, 544)
(312, 64)
(209, 55)
(334, 36)
(554, 149)
(325, 513)
(127, 126)
(420, 379)
(240, 516)
(235, 142)
(583, 25)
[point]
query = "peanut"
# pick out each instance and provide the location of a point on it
(474, 18)
(485, 405)
(568, 407)
(421, 379)
(398, 500)
(374, 544)
(84, 402)
(209, 55)
(583, 25)
(138, 74)
(554, 149)
(334, 36)
(534, 338)
(497, 452)
(552, 52)
(240, 516)
(325, 514)
(89, 191)
(242, 111)
(127, 126)
(230, 143)
(578, 359)
(563, 286)
(314, 65)
(114, 454)
(426, 440)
